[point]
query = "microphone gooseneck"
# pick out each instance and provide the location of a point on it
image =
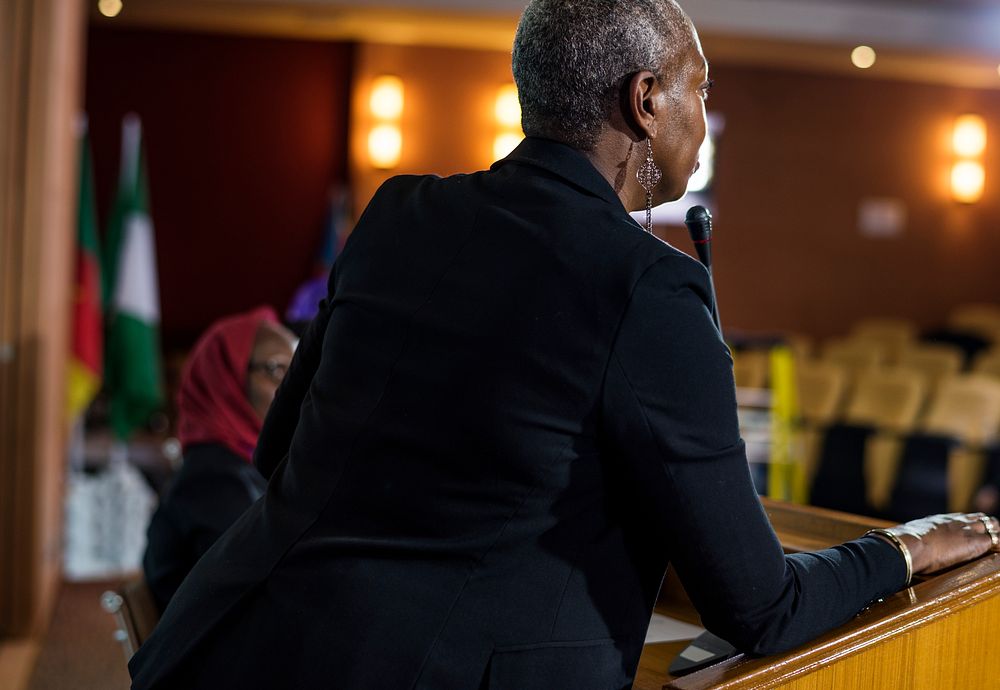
(699, 224)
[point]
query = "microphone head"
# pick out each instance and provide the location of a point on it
(699, 223)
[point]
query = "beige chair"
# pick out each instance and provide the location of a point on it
(821, 387)
(890, 400)
(883, 453)
(857, 357)
(966, 407)
(934, 361)
(750, 368)
(894, 335)
(801, 346)
(988, 364)
(982, 319)
(134, 611)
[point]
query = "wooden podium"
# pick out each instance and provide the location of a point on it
(942, 633)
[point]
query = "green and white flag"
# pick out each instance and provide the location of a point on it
(131, 295)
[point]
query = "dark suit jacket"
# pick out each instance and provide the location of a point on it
(514, 411)
(210, 491)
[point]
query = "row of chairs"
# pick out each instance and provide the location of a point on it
(980, 320)
(861, 355)
(865, 434)
(858, 356)
(977, 321)
(857, 458)
(969, 341)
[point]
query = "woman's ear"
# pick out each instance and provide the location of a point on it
(639, 105)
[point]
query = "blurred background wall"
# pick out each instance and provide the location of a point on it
(246, 134)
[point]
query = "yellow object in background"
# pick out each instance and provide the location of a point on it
(786, 477)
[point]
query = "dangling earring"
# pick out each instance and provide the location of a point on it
(649, 176)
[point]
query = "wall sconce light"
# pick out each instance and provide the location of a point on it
(385, 140)
(385, 144)
(508, 107)
(968, 174)
(507, 111)
(386, 102)
(969, 136)
(967, 181)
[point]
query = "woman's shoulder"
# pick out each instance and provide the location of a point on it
(207, 467)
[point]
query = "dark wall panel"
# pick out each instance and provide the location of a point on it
(799, 153)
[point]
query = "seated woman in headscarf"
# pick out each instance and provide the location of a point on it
(226, 389)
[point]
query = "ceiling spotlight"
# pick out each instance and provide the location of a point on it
(863, 57)
(109, 8)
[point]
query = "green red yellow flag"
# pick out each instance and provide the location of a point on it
(86, 363)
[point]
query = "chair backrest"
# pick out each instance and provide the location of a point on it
(839, 482)
(979, 318)
(966, 407)
(801, 345)
(821, 387)
(922, 482)
(889, 399)
(894, 335)
(934, 360)
(988, 364)
(750, 368)
(134, 611)
(857, 356)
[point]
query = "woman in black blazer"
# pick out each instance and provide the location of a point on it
(511, 414)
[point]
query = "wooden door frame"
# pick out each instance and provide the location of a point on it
(41, 74)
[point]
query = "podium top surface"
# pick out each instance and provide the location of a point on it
(929, 599)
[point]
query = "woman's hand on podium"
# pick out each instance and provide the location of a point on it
(937, 542)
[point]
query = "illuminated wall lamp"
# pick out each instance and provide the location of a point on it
(968, 139)
(968, 175)
(386, 101)
(967, 181)
(507, 111)
(385, 146)
(385, 104)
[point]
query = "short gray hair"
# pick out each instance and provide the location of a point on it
(571, 57)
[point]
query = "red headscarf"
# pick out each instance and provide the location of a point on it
(212, 402)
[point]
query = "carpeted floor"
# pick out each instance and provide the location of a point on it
(79, 652)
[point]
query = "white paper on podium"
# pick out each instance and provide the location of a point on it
(664, 629)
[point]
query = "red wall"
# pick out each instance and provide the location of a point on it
(244, 137)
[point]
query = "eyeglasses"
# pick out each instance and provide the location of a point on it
(274, 368)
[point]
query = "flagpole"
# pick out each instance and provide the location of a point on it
(118, 454)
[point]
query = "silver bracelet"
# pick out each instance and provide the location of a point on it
(898, 543)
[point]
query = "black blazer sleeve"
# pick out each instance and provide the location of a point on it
(283, 415)
(669, 413)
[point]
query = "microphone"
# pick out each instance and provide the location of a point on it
(699, 224)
